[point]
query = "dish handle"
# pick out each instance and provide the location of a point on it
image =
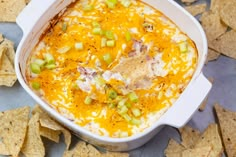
(188, 103)
(31, 13)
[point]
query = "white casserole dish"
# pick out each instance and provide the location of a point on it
(35, 19)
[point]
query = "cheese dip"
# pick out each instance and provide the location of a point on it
(112, 66)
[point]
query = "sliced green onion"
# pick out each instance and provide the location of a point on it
(95, 24)
(109, 35)
(123, 110)
(35, 85)
(111, 3)
(111, 43)
(64, 49)
(127, 36)
(79, 46)
(97, 31)
(50, 66)
(133, 97)
(121, 103)
(126, 117)
(88, 100)
(35, 68)
(126, 3)
(112, 94)
(64, 27)
(135, 121)
(107, 58)
(49, 58)
(127, 104)
(88, 7)
(183, 47)
(103, 42)
(136, 112)
(40, 62)
(111, 105)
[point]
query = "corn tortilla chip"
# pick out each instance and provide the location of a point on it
(10, 50)
(13, 127)
(189, 136)
(212, 55)
(48, 122)
(33, 145)
(113, 154)
(50, 134)
(227, 121)
(188, 2)
(211, 138)
(1, 38)
(228, 13)
(215, 6)
(196, 9)
(2, 52)
(6, 65)
(80, 150)
(9, 9)
(197, 152)
(173, 149)
(225, 44)
(92, 151)
(212, 25)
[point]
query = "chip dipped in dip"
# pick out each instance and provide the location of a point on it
(113, 67)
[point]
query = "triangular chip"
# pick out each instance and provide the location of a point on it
(212, 55)
(93, 151)
(212, 25)
(196, 9)
(211, 138)
(10, 50)
(13, 127)
(50, 134)
(225, 44)
(197, 152)
(228, 13)
(1, 38)
(48, 122)
(227, 121)
(189, 136)
(80, 150)
(173, 149)
(2, 52)
(33, 145)
(113, 154)
(9, 9)
(6, 65)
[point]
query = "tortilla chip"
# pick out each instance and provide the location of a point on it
(212, 55)
(2, 52)
(228, 13)
(188, 2)
(196, 9)
(225, 44)
(10, 50)
(50, 134)
(27, 1)
(227, 121)
(1, 38)
(113, 154)
(33, 145)
(80, 150)
(212, 25)
(9, 9)
(93, 151)
(189, 136)
(197, 152)
(48, 122)
(215, 5)
(203, 104)
(13, 127)
(173, 149)
(211, 138)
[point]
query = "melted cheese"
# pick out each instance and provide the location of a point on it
(169, 69)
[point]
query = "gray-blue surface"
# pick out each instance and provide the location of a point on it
(223, 91)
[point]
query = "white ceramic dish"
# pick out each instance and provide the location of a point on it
(35, 19)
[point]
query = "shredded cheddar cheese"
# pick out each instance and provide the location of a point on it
(112, 68)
